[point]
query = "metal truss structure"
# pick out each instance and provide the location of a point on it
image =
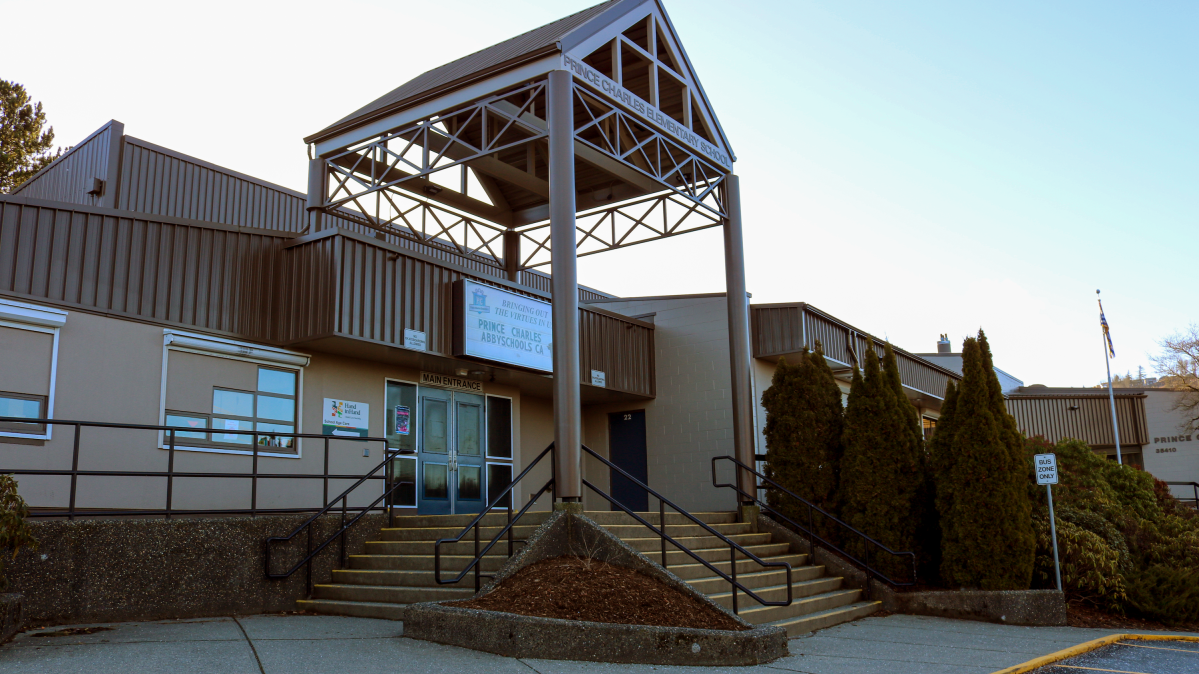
(623, 137)
(390, 183)
(655, 217)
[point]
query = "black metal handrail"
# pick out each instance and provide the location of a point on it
(810, 529)
(734, 546)
(477, 562)
(340, 534)
(1194, 501)
(170, 474)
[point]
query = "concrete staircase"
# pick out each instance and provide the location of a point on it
(397, 568)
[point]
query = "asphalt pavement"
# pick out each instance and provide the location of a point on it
(279, 644)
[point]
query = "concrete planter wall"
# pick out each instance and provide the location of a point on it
(550, 638)
(1023, 607)
(155, 569)
(521, 636)
(10, 616)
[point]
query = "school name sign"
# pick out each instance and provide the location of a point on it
(502, 326)
(646, 111)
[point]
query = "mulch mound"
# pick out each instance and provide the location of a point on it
(1081, 615)
(578, 588)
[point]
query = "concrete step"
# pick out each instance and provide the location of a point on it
(756, 578)
(357, 609)
(828, 618)
(449, 563)
(799, 590)
(393, 577)
(605, 518)
(521, 531)
(457, 522)
(639, 530)
(465, 547)
(720, 554)
(389, 593)
(822, 602)
(693, 570)
(695, 542)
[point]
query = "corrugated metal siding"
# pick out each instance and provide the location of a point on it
(340, 284)
(622, 350)
(1052, 418)
(208, 278)
(71, 176)
(161, 182)
(779, 330)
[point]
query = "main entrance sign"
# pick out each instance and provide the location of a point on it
(502, 326)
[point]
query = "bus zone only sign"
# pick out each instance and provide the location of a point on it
(1046, 468)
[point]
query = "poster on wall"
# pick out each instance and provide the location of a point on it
(346, 418)
(502, 326)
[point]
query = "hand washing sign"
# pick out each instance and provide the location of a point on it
(343, 417)
(502, 326)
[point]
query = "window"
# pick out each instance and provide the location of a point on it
(29, 335)
(401, 427)
(499, 427)
(930, 427)
(499, 476)
(269, 409)
(23, 406)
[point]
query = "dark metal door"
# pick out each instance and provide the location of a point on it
(627, 449)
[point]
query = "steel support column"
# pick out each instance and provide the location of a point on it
(316, 193)
(568, 412)
(512, 255)
(738, 307)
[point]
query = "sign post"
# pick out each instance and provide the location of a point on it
(1047, 475)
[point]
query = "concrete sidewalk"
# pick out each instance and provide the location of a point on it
(319, 644)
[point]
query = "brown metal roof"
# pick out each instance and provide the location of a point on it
(538, 40)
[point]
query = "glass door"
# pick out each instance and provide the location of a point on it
(434, 452)
(450, 452)
(468, 453)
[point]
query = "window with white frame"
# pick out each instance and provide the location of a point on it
(225, 396)
(28, 369)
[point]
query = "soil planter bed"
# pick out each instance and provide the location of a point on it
(576, 592)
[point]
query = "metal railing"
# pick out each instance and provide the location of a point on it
(810, 529)
(170, 474)
(1194, 500)
(340, 534)
(477, 562)
(734, 547)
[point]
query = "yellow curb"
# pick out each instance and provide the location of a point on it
(1087, 647)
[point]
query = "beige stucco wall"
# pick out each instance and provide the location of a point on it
(111, 370)
(691, 420)
(1172, 454)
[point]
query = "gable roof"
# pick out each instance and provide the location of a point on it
(533, 43)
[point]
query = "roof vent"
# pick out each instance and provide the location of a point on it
(943, 345)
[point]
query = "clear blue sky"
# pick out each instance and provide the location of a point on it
(913, 168)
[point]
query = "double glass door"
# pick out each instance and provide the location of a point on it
(450, 451)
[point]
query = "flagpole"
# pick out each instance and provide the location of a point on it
(1111, 392)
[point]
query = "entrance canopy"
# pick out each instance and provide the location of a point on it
(458, 157)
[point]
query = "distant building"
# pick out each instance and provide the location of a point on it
(953, 361)
(1151, 432)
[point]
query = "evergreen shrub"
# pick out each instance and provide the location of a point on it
(15, 532)
(882, 472)
(803, 438)
(987, 535)
(1134, 536)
